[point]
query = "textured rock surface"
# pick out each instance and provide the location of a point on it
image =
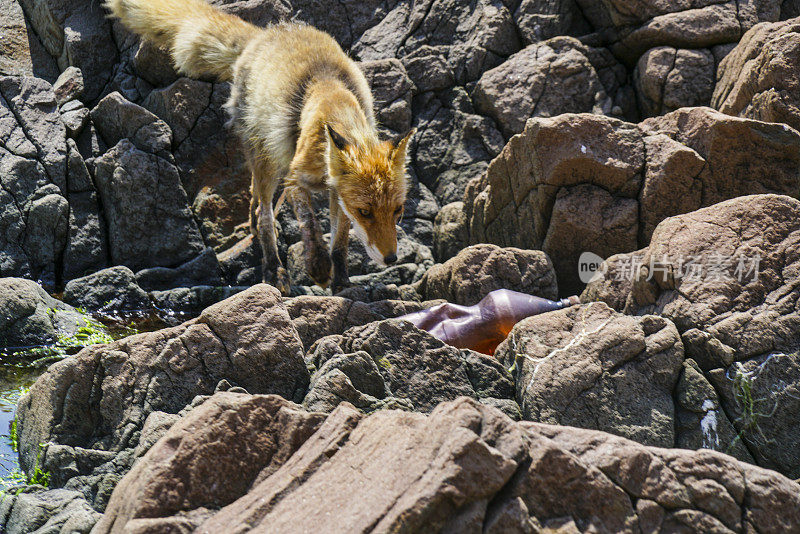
(759, 78)
(29, 316)
(736, 310)
(111, 289)
(668, 79)
(592, 367)
(445, 471)
(480, 269)
(597, 184)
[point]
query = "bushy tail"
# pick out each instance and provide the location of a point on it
(203, 41)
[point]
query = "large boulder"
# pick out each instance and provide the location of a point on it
(592, 367)
(546, 79)
(92, 407)
(112, 289)
(759, 78)
(667, 79)
(477, 270)
(34, 213)
(29, 316)
(149, 220)
(374, 366)
(21, 51)
(725, 275)
(589, 183)
(463, 468)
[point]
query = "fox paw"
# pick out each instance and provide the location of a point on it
(318, 266)
(280, 280)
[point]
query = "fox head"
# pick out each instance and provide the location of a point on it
(372, 185)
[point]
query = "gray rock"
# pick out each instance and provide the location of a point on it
(539, 20)
(667, 79)
(86, 249)
(21, 51)
(392, 90)
(29, 316)
(372, 366)
(202, 270)
(192, 300)
(477, 270)
(117, 119)
(48, 512)
(75, 117)
(112, 289)
(149, 221)
(592, 367)
(69, 85)
(450, 232)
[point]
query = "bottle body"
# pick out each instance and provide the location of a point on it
(485, 325)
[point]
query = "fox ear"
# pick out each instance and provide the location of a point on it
(400, 151)
(338, 141)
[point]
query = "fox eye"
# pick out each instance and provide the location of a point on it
(365, 213)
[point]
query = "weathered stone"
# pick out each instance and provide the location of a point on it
(592, 367)
(668, 79)
(391, 89)
(420, 379)
(112, 289)
(450, 233)
(192, 300)
(759, 78)
(29, 316)
(117, 119)
(480, 269)
(43, 512)
(539, 20)
(202, 270)
(69, 85)
(547, 79)
(149, 221)
(21, 52)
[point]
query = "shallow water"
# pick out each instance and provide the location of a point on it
(17, 375)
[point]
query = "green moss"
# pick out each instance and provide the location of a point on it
(12, 435)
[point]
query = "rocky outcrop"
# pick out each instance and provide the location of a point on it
(601, 185)
(592, 367)
(759, 78)
(668, 79)
(29, 316)
(480, 269)
(725, 276)
(372, 368)
(464, 467)
(112, 289)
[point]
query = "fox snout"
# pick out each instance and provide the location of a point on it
(380, 241)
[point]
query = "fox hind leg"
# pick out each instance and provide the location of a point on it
(264, 185)
(318, 261)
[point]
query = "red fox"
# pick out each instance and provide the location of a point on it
(303, 110)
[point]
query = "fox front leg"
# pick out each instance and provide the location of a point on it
(340, 235)
(318, 262)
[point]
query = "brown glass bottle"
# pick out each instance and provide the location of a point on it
(483, 326)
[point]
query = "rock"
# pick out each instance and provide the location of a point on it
(208, 155)
(113, 289)
(546, 79)
(450, 233)
(453, 144)
(56, 510)
(117, 119)
(77, 34)
(192, 300)
(86, 249)
(470, 38)
(372, 366)
(723, 275)
(701, 420)
(759, 78)
(142, 196)
(589, 183)
(29, 316)
(75, 117)
(69, 85)
(359, 263)
(508, 477)
(202, 270)
(592, 367)
(21, 52)
(480, 269)
(97, 401)
(261, 433)
(392, 90)
(33, 165)
(668, 79)
(241, 264)
(539, 20)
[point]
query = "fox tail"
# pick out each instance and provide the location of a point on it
(202, 40)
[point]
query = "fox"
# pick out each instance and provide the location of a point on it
(303, 111)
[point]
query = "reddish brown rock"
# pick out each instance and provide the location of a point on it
(760, 78)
